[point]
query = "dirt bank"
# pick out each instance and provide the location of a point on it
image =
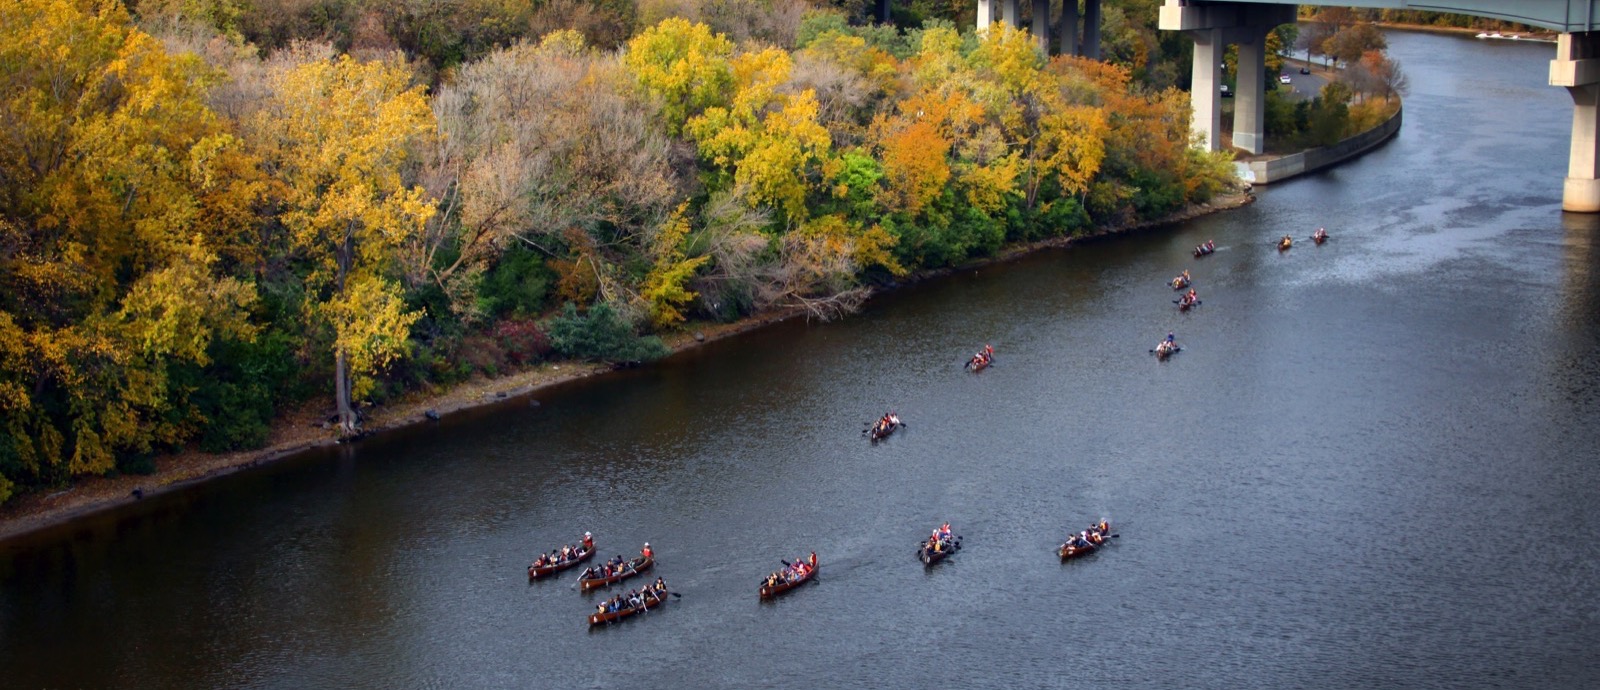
(303, 429)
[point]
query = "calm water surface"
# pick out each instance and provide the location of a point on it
(1375, 464)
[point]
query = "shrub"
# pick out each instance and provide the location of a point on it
(600, 335)
(522, 341)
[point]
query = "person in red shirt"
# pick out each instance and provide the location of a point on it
(646, 552)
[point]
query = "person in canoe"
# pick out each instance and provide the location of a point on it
(1320, 236)
(1285, 242)
(982, 358)
(944, 532)
(646, 552)
(588, 541)
(1165, 348)
(1180, 282)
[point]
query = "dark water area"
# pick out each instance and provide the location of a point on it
(1374, 464)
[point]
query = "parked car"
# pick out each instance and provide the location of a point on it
(1283, 78)
(1305, 70)
(1226, 93)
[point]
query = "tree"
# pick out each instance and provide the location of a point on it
(663, 288)
(1351, 42)
(683, 65)
(337, 134)
(119, 192)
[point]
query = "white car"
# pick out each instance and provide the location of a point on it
(1283, 79)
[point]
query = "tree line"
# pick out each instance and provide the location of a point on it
(197, 230)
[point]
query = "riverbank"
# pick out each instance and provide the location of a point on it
(304, 429)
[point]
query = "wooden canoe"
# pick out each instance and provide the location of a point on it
(978, 364)
(768, 592)
(652, 599)
(1167, 352)
(876, 434)
(932, 557)
(1178, 283)
(1319, 239)
(1067, 551)
(1284, 244)
(535, 573)
(1186, 305)
(629, 569)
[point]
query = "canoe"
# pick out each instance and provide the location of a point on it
(1184, 306)
(875, 433)
(652, 599)
(1067, 552)
(978, 364)
(768, 592)
(1319, 239)
(535, 573)
(1284, 244)
(1163, 354)
(932, 557)
(629, 569)
(1203, 250)
(1178, 283)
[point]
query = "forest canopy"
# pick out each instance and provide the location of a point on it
(215, 209)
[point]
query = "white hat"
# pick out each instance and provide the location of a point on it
(647, 543)
(585, 534)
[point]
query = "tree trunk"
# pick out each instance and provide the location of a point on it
(341, 370)
(341, 394)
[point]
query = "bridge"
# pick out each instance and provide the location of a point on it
(1215, 24)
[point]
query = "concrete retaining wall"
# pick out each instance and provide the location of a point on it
(1283, 168)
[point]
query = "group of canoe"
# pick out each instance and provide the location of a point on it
(938, 546)
(1191, 298)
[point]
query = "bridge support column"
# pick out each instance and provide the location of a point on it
(1250, 104)
(1091, 29)
(1577, 68)
(1041, 25)
(1204, 81)
(883, 11)
(985, 13)
(1012, 16)
(1068, 30)
(1213, 28)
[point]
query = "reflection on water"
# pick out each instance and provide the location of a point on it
(1373, 464)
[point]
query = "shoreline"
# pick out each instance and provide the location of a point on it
(299, 431)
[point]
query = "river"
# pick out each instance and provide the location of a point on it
(1374, 464)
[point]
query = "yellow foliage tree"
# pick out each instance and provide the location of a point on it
(116, 198)
(337, 133)
(684, 65)
(664, 288)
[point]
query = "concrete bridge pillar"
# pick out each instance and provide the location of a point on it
(1205, 79)
(1577, 68)
(1213, 28)
(1041, 25)
(1250, 104)
(1091, 29)
(985, 13)
(1012, 16)
(1068, 30)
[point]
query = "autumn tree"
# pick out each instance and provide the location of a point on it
(684, 66)
(336, 133)
(117, 197)
(539, 141)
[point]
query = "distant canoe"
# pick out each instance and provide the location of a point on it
(878, 433)
(536, 572)
(928, 557)
(629, 569)
(650, 599)
(770, 591)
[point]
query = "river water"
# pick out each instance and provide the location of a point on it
(1374, 464)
